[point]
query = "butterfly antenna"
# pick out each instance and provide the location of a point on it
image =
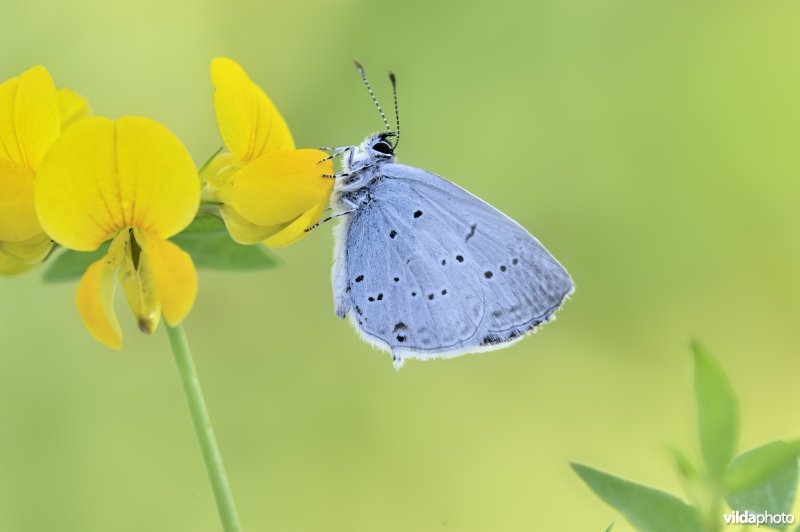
(371, 93)
(393, 79)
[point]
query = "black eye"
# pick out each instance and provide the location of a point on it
(382, 147)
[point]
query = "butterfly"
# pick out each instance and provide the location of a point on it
(424, 269)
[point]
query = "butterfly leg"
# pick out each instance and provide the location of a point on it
(336, 152)
(336, 176)
(328, 219)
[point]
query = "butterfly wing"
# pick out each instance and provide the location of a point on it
(425, 269)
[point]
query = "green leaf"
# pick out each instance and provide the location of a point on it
(764, 479)
(647, 509)
(205, 224)
(687, 470)
(717, 412)
(211, 248)
(70, 265)
(610, 527)
(757, 465)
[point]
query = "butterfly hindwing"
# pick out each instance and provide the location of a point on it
(426, 269)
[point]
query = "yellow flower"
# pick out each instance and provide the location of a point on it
(131, 181)
(264, 188)
(32, 114)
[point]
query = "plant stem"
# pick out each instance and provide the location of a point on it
(202, 428)
(208, 161)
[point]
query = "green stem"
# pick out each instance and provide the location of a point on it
(208, 161)
(202, 428)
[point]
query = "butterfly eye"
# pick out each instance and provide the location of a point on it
(382, 147)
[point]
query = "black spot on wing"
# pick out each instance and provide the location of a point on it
(471, 233)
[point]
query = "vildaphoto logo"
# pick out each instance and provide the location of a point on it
(765, 518)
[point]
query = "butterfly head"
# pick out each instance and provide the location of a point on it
(379, 146)
(373, 151)
(376, 149)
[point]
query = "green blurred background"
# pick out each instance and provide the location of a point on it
(652, 146)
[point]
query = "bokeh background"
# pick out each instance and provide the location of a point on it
(652, 146)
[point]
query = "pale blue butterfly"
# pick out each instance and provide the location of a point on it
(423, 268)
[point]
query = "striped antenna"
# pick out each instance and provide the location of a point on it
(393, 79)
(371, 93)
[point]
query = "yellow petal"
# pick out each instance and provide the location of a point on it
(245, 232)
(174, 275)
(73, 107)
(299, 228)
(95, 296)
(10, 265)
(9, 149)
(18, 220)
(29, 251)
(279, 186)
(101, 176)
(77, 191)
(157, 176)
(135, 276)
(220, 169)
(29, 117)
(248, 121)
